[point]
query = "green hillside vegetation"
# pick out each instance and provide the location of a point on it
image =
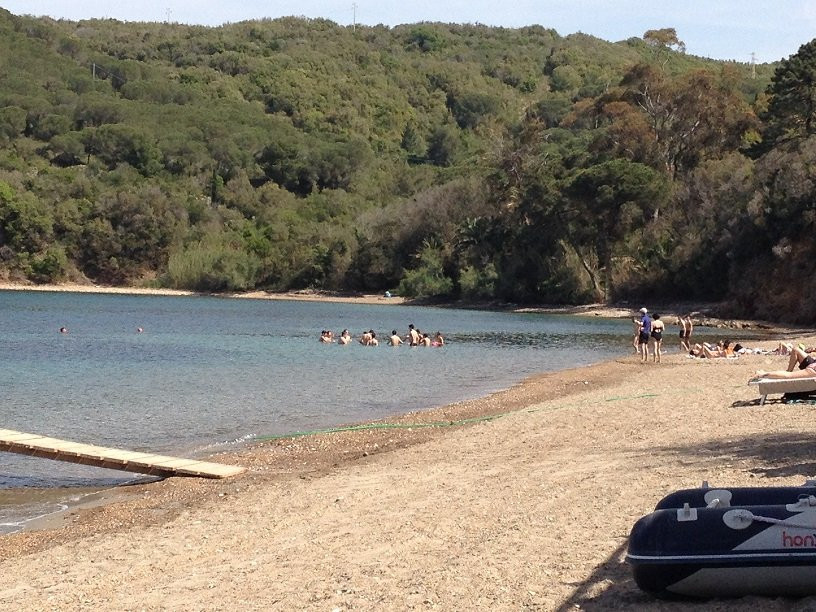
(432, 160)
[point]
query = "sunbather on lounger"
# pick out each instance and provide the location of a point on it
(808, 372)
(799, 356)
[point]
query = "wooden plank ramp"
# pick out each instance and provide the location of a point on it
(111, 458)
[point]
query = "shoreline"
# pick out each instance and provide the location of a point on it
(342, 444)
(427, 422)
(700, 311)
(512, 496)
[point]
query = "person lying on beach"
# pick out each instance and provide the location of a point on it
(723, 349)
(800, 356)
(807, 372)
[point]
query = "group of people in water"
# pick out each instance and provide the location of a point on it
(414, 337)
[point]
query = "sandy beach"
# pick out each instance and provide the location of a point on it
(305, 295)
(527, 507)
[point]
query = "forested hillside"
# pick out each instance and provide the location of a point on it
(452, 161)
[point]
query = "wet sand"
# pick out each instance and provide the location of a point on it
(529, 510)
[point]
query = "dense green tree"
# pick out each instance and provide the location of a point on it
(611, 200)
(12, 122)
(791, 112)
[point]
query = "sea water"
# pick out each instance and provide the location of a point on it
(191, 375)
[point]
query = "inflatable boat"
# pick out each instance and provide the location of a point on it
(726, 551)
(736, 496)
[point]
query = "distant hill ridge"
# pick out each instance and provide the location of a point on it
(432, 159)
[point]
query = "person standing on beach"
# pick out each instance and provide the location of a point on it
(657, 334)
(636, 323)
(684, 347)
(689, 327)
(643, 335)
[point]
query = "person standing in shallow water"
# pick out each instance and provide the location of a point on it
(413, 336)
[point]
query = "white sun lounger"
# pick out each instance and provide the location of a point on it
(783, 385)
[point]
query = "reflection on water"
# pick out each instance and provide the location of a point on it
(539, 340)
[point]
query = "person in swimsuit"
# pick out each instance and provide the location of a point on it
(723, 349)
(689, 327)
(684, 345)
(657, 334)
(800, 356)
(413, 336)
(808, 372)
(644, 334)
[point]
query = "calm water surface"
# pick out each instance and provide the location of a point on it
(208, 372)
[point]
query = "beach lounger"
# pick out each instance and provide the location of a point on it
(783, 385)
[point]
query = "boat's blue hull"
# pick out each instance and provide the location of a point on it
(726, 552)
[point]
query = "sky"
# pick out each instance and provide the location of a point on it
(744, 31)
